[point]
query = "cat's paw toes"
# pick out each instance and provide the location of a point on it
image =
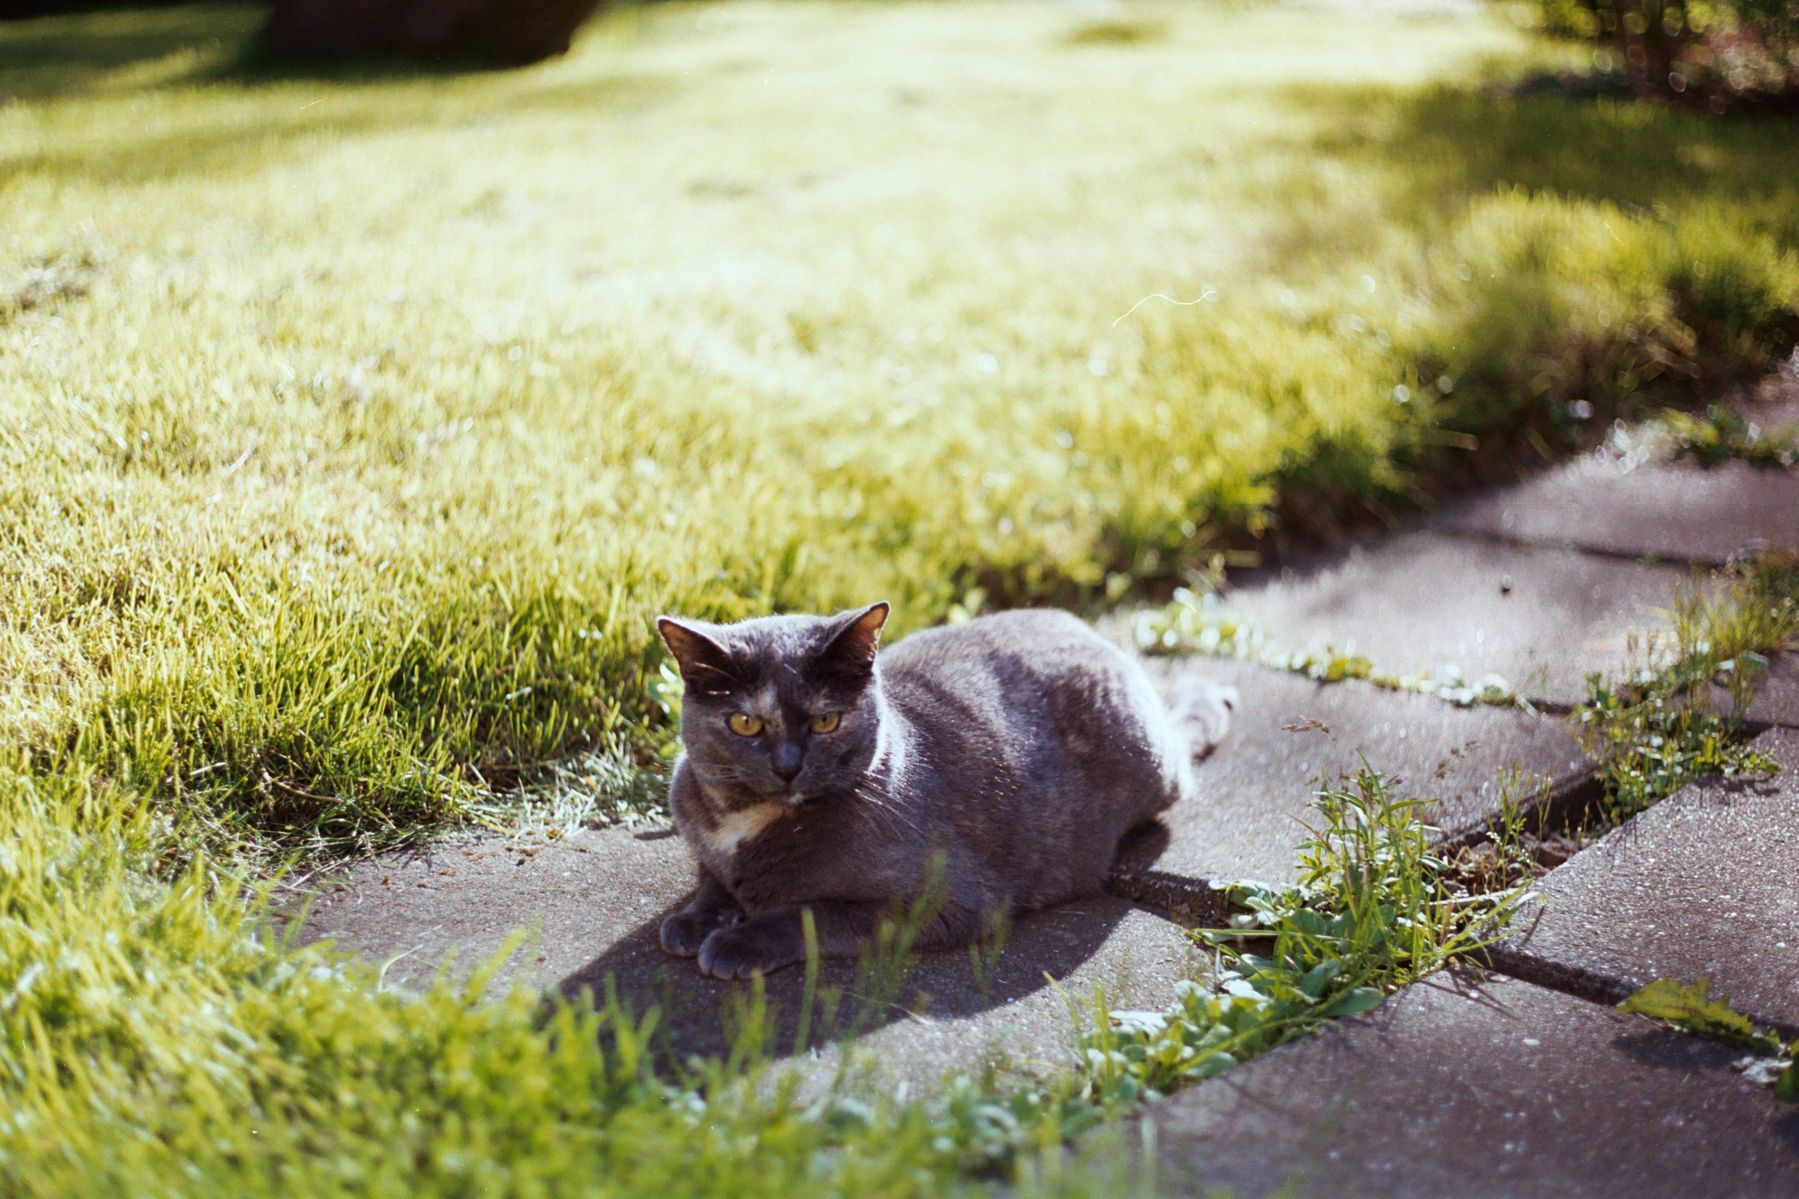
(739, 953)
(685, 932)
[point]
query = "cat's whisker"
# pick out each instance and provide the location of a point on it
(882, 805)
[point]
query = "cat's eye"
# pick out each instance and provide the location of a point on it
(743, 724)
(826, 722)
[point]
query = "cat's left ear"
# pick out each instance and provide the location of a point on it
(854, 643)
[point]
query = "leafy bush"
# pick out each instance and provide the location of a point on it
(1709, 52)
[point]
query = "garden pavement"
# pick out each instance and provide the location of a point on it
(1483, 1089)
(1703, 885)
(590, 905)
(1517, 1085)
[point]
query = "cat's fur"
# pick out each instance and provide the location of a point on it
(1011, 752)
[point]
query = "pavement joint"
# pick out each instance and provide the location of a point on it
(1636, 557)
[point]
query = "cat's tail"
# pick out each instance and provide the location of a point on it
(1203, 709)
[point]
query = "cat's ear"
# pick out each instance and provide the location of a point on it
(857, 637)
(705, 666)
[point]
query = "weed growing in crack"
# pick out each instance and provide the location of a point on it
(1721, 434)
(1653, 735)
(1196, 621)
(1376, 908)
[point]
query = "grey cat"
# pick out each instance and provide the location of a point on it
(1011, 753)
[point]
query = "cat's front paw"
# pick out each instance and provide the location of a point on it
(685, 932)
(745, 950)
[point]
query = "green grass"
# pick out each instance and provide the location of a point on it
(353, 425)
(1722, 434)
(352, 429)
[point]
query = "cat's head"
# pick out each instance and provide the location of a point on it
(779, 709)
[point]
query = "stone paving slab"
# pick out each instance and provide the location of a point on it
(1542, 619)
(1682, 513)
(1256, 788)
(1487, 1090)
(1703, 885)
(578, 894)
(596, 900)
(1776, 698)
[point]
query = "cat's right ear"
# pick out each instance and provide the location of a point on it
(705, 666)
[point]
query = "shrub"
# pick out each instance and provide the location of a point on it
(1711, 53)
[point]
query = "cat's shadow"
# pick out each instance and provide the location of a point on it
(700, 1015)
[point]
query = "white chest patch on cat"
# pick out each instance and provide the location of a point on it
(734, 828)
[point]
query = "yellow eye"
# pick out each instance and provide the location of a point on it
(827, 722)
(743, 724)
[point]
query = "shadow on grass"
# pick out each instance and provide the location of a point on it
(55, 57)
(236, 141)
(1441, 147)
(69, 53)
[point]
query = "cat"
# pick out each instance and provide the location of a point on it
(1009, 754)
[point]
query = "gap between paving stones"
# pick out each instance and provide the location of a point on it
(1255, 791)
(1256, 788)
(595, 899)
(1636, 504)
(1698, 886)
(1422, 603)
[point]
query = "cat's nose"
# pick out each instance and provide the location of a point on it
(786, 761)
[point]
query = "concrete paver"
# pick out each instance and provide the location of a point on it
(1702, 885)
(1776, 697)
(590, 889)
(1255, 789)
(595, 900)
(1494, 1089)
(1683, 513)
(1542, 619)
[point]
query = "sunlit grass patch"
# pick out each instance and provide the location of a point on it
(1722, 434)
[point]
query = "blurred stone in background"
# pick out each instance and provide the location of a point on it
(499, 32)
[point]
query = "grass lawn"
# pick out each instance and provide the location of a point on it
(354, 426)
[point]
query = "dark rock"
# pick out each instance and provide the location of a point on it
(504, 34)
